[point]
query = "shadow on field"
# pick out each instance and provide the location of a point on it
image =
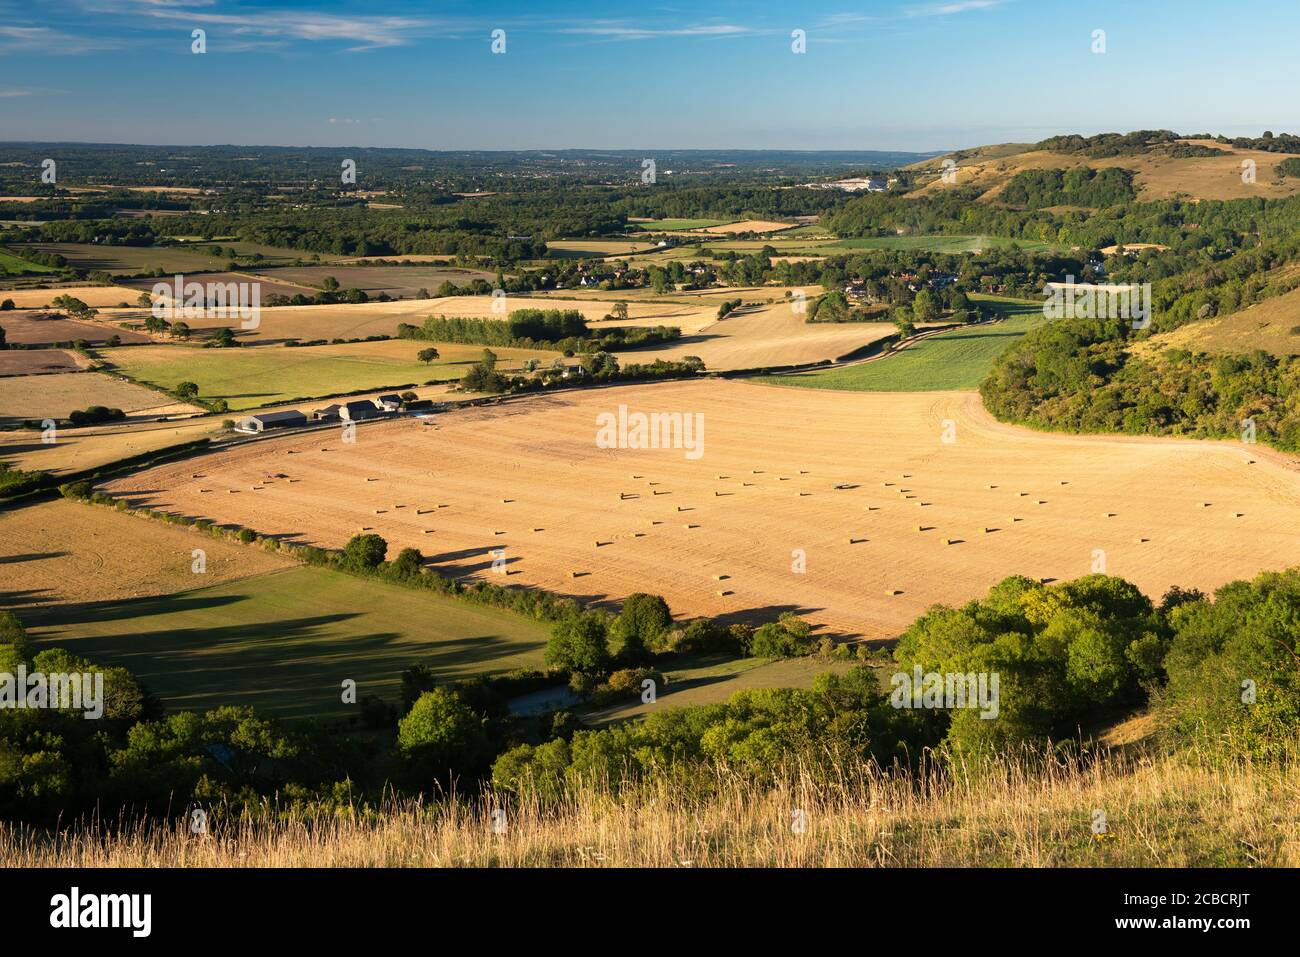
(29, 557)
(75, 613)
(29, 596)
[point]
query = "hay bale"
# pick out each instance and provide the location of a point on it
(539, 529)
(1107, 514)
(891, 592)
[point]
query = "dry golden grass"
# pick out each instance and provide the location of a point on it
(1157, 176)
(1272, 325)
(1167, 811)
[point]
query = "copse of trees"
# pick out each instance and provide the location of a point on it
(1076, 376)
(1079, 186)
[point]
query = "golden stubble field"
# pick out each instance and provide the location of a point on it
(888, 517)
(62, 552)
(55, 395)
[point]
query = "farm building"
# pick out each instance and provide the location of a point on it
(359, 410)
(271, 420)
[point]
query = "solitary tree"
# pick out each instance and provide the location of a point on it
(364, 551)
(580, 644)
(187, 390)
(427, 355)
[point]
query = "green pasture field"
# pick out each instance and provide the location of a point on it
(959, 359)
(284, 642)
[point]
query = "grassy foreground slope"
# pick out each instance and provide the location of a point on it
(1169, 812)
(284, 642)
(959, 359)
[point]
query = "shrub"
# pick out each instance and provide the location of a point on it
(364, 552)
(789, 636)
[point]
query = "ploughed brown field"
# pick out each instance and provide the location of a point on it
(890, 517)
(37, 327)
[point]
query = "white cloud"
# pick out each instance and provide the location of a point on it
(951, 7)
(620, 30)
(362, 31)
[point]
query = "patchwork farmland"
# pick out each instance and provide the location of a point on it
(892, 519)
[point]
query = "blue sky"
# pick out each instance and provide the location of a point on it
(878, 74)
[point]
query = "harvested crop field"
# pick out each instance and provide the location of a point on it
(94, 446)
(54, 396)
(95, 296)
(595, 248)
(250, 378)
(269, 286)
(36, 328)
(765, 336)
(64, 554)
(403, 281)
(749, 226)
(890, 517)
(355, 321)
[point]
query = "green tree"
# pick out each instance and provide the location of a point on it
(579, 643)
(408, 563)
(186, 390)
(925, 308)
(364, 551)
(641, 625)
(442, 734)
(427, 355)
